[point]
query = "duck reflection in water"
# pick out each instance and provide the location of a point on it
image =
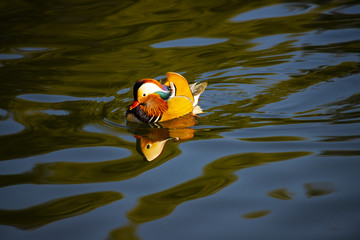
(169, 109)
(151, 139)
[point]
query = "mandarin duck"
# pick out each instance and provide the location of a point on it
(155, 102)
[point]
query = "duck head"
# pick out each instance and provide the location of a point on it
(145, 88)
(149, 101)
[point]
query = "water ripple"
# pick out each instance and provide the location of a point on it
(188, 42)
(275, 11)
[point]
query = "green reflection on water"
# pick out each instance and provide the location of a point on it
(163, 203)
(282, 194)
(256, 214)
(75, 173)
(55, 210)
(316, 189)
(217, 175)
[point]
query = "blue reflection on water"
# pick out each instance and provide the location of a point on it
(189, 42)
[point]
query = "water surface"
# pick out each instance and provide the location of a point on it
(276, 152)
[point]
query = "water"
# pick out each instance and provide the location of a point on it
(275, 155)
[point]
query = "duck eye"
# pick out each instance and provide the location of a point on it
(148, 146)
(144, 94)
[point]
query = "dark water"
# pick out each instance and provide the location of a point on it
(275, 156)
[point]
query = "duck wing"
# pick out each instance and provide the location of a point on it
(177, 106)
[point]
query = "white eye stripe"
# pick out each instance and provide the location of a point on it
(148, 88)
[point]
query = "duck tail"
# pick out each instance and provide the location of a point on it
(197, 89)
